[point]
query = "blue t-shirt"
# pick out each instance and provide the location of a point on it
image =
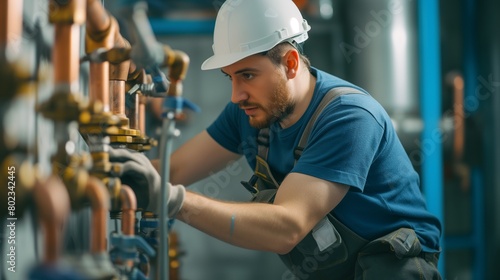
(353, 142)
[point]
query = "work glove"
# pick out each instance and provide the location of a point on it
(137, 172)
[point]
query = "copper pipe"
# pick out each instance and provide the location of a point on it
(99, 84)
(142, 114)
(132, 111)
(103, 32)
(65, 55)
(53, 205)
(461, 169)
(117, 101)
(458, 112)
(129, 206)
(100, 33)
(135, 76)
(11, 24)
(98, 19)
(98, 195)
(67, 19)
(118, 73)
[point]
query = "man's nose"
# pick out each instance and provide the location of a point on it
(238, 94)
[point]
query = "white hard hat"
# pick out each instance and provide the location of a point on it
(247, 27)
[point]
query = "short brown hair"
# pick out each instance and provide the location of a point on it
(277, 51)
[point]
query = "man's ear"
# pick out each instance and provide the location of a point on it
(291, 60)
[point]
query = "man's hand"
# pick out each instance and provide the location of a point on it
(137, 172)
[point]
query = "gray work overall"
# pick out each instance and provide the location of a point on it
(330, 250)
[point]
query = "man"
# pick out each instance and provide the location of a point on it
(343, 202)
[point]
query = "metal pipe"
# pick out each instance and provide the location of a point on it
(10, 32)
(132, 110)
(99, 84)
(53, 205)
(459, 117)
(100, 33)
(66, 51)
(103, 32)
(98, 195)
(481, 48)
(66, 56)
(141, 118)
(177, 62)
(117, 98)
(430, 94)
(118, 73)
(168, 133)
(129, 206)
(11, 24)
(136, 76)
(62, 107)
(98, 19)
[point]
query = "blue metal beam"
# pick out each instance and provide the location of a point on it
(430, 93)
(479, 237)
(162, 26)
(471, 105)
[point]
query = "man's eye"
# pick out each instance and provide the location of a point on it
(247, 76)
(229, 77)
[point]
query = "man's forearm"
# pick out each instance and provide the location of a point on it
(256, 226)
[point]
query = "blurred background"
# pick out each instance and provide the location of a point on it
(433, 65)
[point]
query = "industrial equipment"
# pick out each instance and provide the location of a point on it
(123, 74)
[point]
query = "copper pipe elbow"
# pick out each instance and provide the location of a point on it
(98, 19)
(177, 62)
(129, 206)
(98, 196)
(53, 205)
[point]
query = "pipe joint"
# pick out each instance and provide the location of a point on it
(67, 12)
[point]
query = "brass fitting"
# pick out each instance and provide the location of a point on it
(177, 62)
(74, 175)
(61, 107)
(114, 187)
(67, 11)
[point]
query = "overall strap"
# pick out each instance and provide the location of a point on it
(329, 96)
(263, 143)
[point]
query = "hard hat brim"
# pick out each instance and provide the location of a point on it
(219, 61)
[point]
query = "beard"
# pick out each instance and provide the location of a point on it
(279, 108)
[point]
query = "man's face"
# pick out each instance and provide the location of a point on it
(260, 89)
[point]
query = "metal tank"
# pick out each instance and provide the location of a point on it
(380, 54)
